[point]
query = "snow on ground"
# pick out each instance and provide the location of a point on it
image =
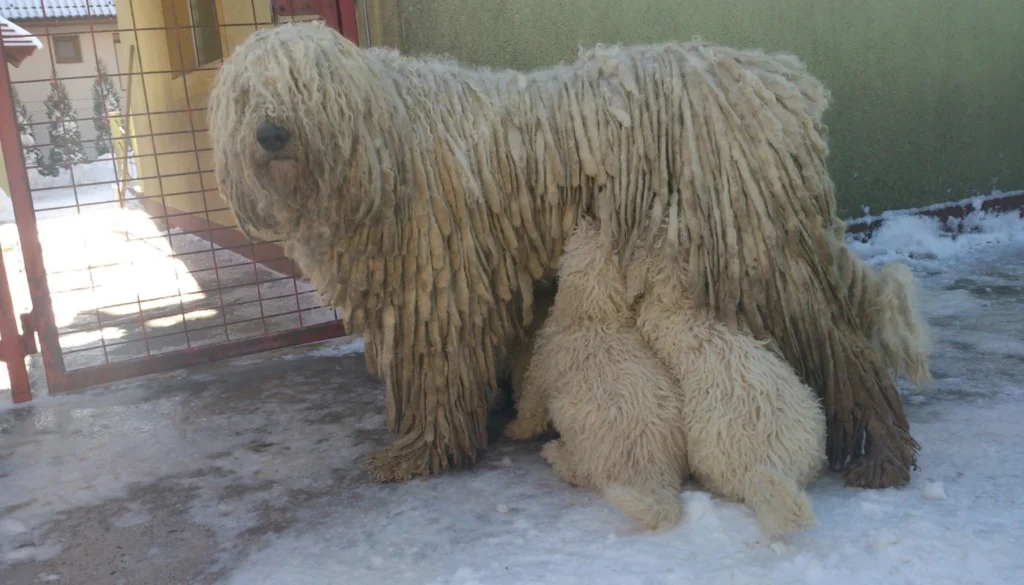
(958, 522)
(278, 440)
(91, 185)
(99, 170)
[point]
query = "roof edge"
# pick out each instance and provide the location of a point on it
(63, 19)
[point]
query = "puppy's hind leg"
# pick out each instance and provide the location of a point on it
(555, 454)
(656, 510)
(780, 505)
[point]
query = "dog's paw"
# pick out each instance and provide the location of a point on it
(552, 452)
(555, 454)
(393, 464)
(890, 457)
(877, 472)
(786, 517)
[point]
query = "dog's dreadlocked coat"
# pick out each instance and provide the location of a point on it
(425, 198)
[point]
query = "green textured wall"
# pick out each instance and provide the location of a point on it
(928, 95)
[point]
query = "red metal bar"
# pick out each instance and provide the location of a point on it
(41, 318)
(12, 350)
(347, 20)
(325, 9)
(79, 379)
(338, 14)
(206, 208)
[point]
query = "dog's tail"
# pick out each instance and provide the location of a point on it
(886, 304)
(780, 506)
(658, 510)
(902, 332)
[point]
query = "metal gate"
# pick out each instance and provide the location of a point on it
(132, 263)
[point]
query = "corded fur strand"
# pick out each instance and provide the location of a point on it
(424, 198)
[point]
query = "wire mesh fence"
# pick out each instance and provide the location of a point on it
(141, 256)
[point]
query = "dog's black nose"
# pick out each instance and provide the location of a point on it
(271, 137)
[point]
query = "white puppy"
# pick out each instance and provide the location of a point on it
(754, 431)
(615, 405)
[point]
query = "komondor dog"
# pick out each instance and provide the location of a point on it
(754, 431)
(615, 406)
(424, 199)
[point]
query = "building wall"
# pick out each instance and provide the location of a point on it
(927, 94)
(32, 80)
(168, 116)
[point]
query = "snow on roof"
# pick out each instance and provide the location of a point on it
(15, 36)
(26, 9)
(18, 43)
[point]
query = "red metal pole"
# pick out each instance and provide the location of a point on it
(24, 213)
(348, 26)
(11, 349)
(80, 378)
(338, 14)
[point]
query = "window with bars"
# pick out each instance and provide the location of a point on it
(67, 49)
(193, 33)
(205, 34)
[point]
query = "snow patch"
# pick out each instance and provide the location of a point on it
(100, 170)
(934, 490)
(134, 516)
(976, 202)
(85, 187)
(30, 553)
(330, 349)
(355, 347)
(883, 539)
(11, 527)
(923, 241)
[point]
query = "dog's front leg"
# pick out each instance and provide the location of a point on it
(439, 422)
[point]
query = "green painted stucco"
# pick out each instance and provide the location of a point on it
(928, 95)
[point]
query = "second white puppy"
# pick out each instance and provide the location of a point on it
(754, 431)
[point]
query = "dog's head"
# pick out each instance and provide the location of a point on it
(590, 279)
(287, 115)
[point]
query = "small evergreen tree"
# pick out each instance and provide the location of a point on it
(66, 147)
(33, 157)
(105, 101)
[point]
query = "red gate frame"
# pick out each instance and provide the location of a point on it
(338, 14)
(12, 344)
(15, 346)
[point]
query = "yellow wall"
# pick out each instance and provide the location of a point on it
(168, 108)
